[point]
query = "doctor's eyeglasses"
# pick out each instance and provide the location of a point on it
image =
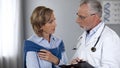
(83, 17)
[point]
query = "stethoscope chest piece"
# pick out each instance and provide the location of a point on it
(93, 49)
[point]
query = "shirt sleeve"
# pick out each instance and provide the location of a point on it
(32, 60)
(110, 53)
(63, 60)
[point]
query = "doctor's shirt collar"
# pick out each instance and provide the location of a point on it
(94, 30)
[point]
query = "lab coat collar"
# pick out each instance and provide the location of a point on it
(96, 35)
(93, 38)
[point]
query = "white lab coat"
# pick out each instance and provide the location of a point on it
(107, 54)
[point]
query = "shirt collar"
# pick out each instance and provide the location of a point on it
(39, 39)
(94, 30)
(52, 38)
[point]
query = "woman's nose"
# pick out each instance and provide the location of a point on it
(54, 23)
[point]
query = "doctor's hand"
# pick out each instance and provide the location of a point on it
(48, 56)
(76, 60)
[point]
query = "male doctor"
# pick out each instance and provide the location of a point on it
(99, 45)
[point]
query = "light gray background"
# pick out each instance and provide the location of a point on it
(65, 12)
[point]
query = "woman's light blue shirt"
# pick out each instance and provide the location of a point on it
(32, 59)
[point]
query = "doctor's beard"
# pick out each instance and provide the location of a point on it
(85, 28)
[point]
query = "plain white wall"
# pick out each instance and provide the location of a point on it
(65, 12)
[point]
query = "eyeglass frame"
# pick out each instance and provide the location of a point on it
(84, 17)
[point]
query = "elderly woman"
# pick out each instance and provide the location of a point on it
(43, 49)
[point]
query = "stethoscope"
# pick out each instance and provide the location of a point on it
(93, 49)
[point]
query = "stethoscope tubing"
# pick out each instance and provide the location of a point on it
(93, 49)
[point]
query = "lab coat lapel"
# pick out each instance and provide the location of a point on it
(80, 45)
(94, 38)
(83, 39)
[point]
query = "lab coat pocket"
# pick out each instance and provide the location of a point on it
(98, 51)
(95, 57)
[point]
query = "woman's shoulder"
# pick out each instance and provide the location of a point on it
(34, 38)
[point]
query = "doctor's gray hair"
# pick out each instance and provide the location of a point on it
(94, 5)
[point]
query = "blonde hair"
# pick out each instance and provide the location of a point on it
(40, 16)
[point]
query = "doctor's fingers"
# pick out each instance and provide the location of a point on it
(78, 59)
(75, 61)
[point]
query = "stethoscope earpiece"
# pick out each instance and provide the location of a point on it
(93, 49)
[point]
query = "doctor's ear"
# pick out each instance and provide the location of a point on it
(97, 17)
